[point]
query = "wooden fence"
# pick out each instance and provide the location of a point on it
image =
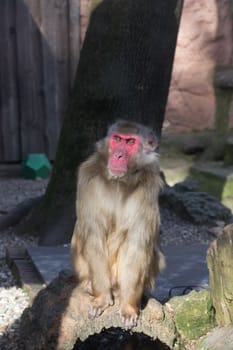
(39, 51)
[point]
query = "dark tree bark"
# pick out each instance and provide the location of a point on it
(124, 72)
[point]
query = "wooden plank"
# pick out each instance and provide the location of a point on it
(41, 44)
(24, 270)
(9, 117)
(29, 75)
(54, 22)
(74, 37)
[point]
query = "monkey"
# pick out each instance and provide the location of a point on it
(115, 244)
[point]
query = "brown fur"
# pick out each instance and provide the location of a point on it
(115, 244)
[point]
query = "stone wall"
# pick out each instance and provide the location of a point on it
(83, 18)
(204, 42)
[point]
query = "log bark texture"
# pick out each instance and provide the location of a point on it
(220, 264)
(59, 316)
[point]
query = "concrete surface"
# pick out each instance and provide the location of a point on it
(186, 267)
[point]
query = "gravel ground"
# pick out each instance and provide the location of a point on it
(13, 299)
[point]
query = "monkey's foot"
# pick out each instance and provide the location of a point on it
(98, 306)
(87, 286)
(129, 316)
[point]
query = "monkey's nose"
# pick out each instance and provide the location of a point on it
(119, 155)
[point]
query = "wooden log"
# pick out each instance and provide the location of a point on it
(59, 317)
(220, 263)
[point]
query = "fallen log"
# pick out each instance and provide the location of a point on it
(58, 317)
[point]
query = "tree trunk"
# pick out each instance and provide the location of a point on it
(124, 72)
(220, 262)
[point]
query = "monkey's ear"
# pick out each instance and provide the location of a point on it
(151, 142)
(100, 145)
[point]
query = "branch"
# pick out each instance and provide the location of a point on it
(18, 213)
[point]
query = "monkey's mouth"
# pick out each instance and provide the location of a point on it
(116, 172)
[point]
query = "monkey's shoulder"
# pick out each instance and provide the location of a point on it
(150, 173)
(90, 169)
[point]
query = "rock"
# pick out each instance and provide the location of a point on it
(186, 186)
(198, 207)
(216, 231)
(193, 145)
(218, 339)
(228, 157)
(224, 77)
(220, 262)
(216, 179)
(193, 314)
(204, 42)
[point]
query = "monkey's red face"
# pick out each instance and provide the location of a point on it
(121, 148)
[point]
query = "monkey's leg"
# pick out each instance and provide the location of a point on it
(80, 265)
(101, 284)
(131, 283)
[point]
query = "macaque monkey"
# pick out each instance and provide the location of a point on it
(115, 244)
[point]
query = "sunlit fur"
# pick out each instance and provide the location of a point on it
(115, 245)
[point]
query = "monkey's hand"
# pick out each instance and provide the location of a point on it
(129, 316)
(99, 304)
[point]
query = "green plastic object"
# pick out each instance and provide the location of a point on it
(36, 165)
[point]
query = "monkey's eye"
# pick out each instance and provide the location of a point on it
(130, 141)
(117, 138)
